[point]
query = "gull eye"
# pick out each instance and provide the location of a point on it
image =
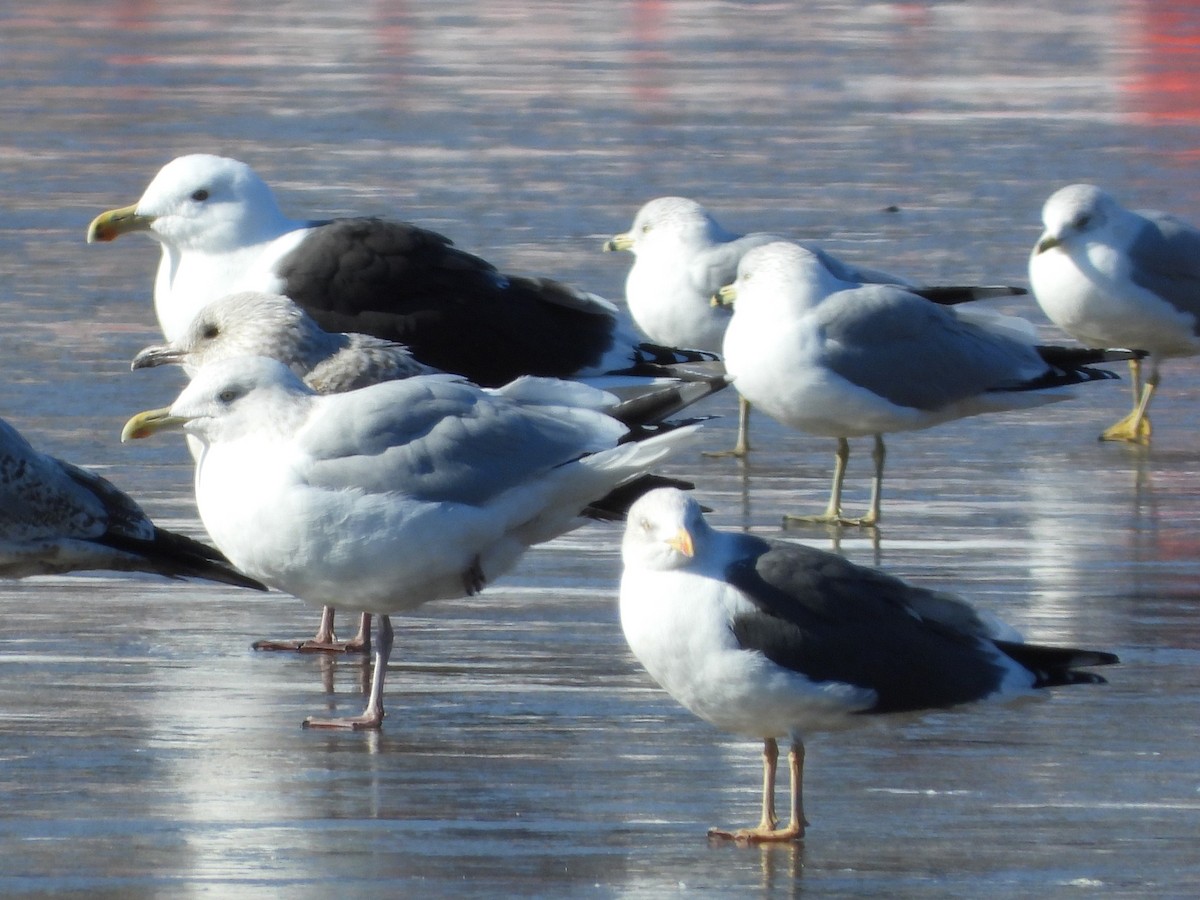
(210, 331)
(200, 196)
(645, 525)
(228, 395)
(646, 228)
(1083, 221)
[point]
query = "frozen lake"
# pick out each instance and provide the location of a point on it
(146, 750)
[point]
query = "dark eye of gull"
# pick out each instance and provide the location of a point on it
(210, 332)
(200, 196)
(228, 395)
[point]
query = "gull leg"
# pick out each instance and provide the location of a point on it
(742, 447)
(1135, 427)
(324, 641)
(833, 512)
(769, 819)
(361, 642)
(372, 716)
(879, 456)
(767, 830)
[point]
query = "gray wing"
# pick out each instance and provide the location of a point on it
(717, 265)
(915, 353)
(853, 274)
(1165, 258)
(437, 438)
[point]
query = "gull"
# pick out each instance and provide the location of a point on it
(771, 639)
(841, 359)
(397, 494)
(1107, 276)
(683, 256)
(56, 517)
(222, 231)
(252, 323)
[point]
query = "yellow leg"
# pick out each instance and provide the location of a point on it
(742, 447)
(1135, 427)
(767, 830)
(833, 511)
(878, 456)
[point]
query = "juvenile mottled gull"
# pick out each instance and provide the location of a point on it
(222, 231)
(1109, 276)
(57, 518)
(396, 494)
(251, 323)
(771, 639)
(682, 257)
(843, 360)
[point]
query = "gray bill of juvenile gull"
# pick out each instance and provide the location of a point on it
(56, 517)
(396, 494)
(221, 232)
(841, 359)
(683, 256)
(257, 324)
(1109, 276)
(771, 639)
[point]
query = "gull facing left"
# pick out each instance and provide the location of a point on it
(1107, 276)
(842, 359)
(400, 493)
(683, 256)
(250, 323)
(771, 639)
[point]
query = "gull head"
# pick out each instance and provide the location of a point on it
(1072, 211)
(779, 275)
(665, 529)
(669, 222)
(202, 203)
(247, 323)
(234, 398)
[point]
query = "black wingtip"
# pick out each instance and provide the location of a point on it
(178, 556)
(953, 294)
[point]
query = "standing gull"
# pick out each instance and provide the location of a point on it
(843, 360)
(682, 257)
(57, 518)
(1109, 276)
(397, 494)
(257, 324)
(222, 231)
(771, 639)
